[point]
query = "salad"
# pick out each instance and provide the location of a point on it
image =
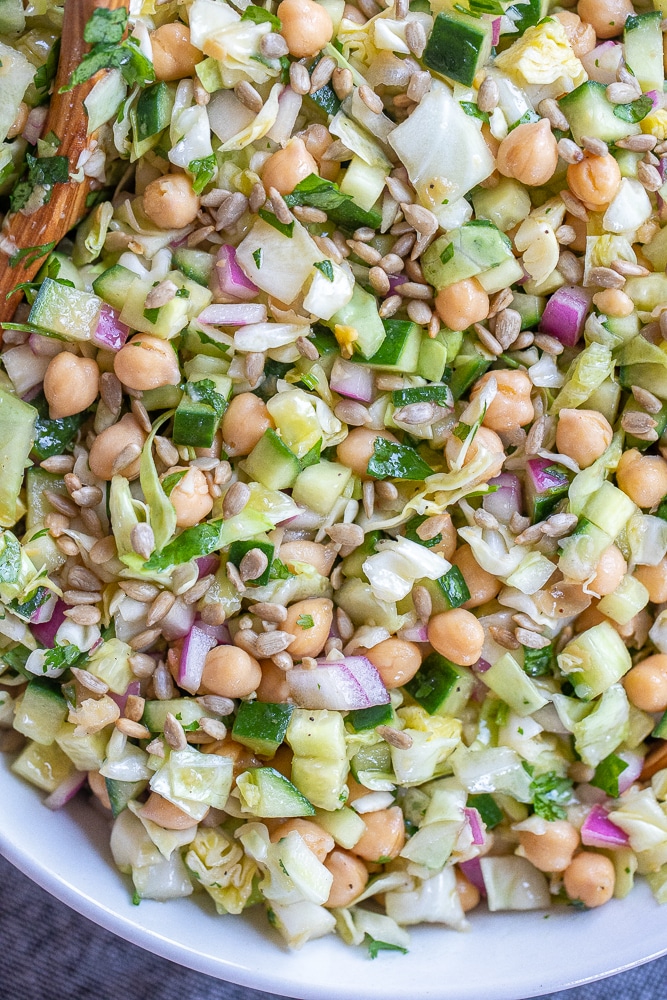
(333, 437)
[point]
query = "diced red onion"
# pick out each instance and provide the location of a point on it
(234, 314)
(229, 277)
(134, 687)
(25, 369)
(31, 394)
(207, 564)
(66, 790)
(191, 664)
(351, 380)
(45, 347)
(495, 30)
(182, 242)
(507, 498)
(32, 130)
(655, 97)
(414, 633)
(178, 621)
(565, 314)
(351, 683)
(44, 613)
(628, 777)
(541, 480)
(45, 632)
(599, 831)
(289, 106)
(476, 825)
(218, 632)
(473, 872)
(110, 334)
(394, 281)
(480, 667)
(602, 62)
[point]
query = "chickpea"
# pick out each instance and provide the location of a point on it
(230, 672)
(174, 57)
(309, 641)
(241, 757)
(446, 547)
(98, 787)
(110, 444)
(606, 17)
(71, 384)
(511, 406)
(580, 231)
(583, 435)
(147, 362)
(166, 814)
(594, 180)
(591, 878)
(468, 893)
(646, 683)
(245, 420)
(357, 449)
(654, 579)
(170, 203)
(190, 497)
(306, 27)
(642, 477)
(349, 877)
(610, 570)
(484, 438)
(282, 761)
(552, 850)
(288, 166)
(529, 153)
(614, 302)
(396, 660)
(384, 835)
(318, 840)
(215, 449)
(321, 557)
(483, 586)
(462, 304)
(273, 686)
(457, 635)
(580, 36)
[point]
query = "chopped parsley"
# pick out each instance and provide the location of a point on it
(375, 947)
(305, 621)
(261, 16)
(104, 32)
(43, 172)
(326, 267)
(550, 794)
(204, 170)
(607, 774)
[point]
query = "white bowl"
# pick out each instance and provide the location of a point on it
(505, 956)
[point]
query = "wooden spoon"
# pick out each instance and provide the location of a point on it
(68, 120)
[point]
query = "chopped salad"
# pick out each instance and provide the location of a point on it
(333, 437)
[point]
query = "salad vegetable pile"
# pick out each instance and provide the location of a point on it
(333, 448)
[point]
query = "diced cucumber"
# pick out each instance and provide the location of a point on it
(272, 463)
(632, 406)
(372, 767)
(581, 551)
(609, 509)
(529, 308)
(656, 250)
(440, 686)
(400, 348)
(526, 15)
(319, 766)
(17, 427)
(629, 598)
(12, 17)
(345, 825)
(467, 369)
(46, 767)
(154, 109)
(432, 359)
(454, 588)
(195, 423)
(660, 731)
(41, 712)
(261, 725)
(113, 285)
(122, 792)
(605, 399)
(505, 205)
(509, 682)
(267, 793)
(170, 318)
(352, 565)
(642, 38)
(361, 313)
(363, 183)
(166, 397)
(238, 549)
(87, 751)
(546, 488)
(369, 718)
(589, 113)
(502, 276)
(195, 264)
(65, 311)
(319, 486)
(463, 253)
(53, 437)
(595, 660)
(62, 266)
(186, 710)
(458, 46)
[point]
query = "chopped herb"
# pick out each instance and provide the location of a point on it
(635, 111)
(310, 381)
(43, 172)
(136, 898)
(61, 656)
(316, 192)
(488, 809)
(261, 16)
(312, 457)
(422, 394)
(53, 437)
(526, 117)
(182, 293)
(473, 111)
(46, 73)
(287, 229)
(204, 391)
(399, 461)
(447, 253)
(607, 774)
(487, 7)
(305, 621)
(35, 600)
(326, 267)
(550, 794)
(538, 662)
(200, 540)
(204, 171)
(105, 26)
(279, 571)
(16, 659)
(169, 482)
(257, 257)
(466, 10)
(104, 31)
(190, 727)
(374, 947)
(152, 314)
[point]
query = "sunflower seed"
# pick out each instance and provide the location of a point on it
(234, 577)
(415, 37)
(346, 534)
(417, 413)
(270, 643)
(236, 498)
(89, 681)
(419, 86)
(570, 267)
(299, 78)
(529, 535)
(504, 637)
(213, 613)
(217, 704)
(142, 666)
(67, 546)
(73, 597)
(548, 344)
(646, 399)
(126, 457)
(372, 101)
(422, 602)
(604, 277)
(637, 143)
(390, 306)
(487, 339)
(61, 503)
(649, 176)
(395, 737)
(368, 501)
(142, 540)
(248, 96)
(81, 578)
(559, 525)
(488, 95)
(111, 391)
(174, 734)
(163, 684)
(352, 413)
(483, 519)
(103, 551)
(368, 254)
(414, 290)
(401, 9)
(87, 496)
(640, 425)
(231, 211)
(321, 74)
(145, 639)
(518, 523)
(132, 729)
(569, 151)
(507, 327)
(573, 205)
(84, 614)
(58, 464)
(628, 269)
(269, 612)
(622, 93)
(138, 591)
(565, 235)
(433, 526)
(419, 312)
(254, 367)
(549, 109)
(253, 564)
(379, 281)
(342, 82)
(273, 46)
(162, 293)
(533, 640)
(160, 607)
(595, 146)
(344, 623)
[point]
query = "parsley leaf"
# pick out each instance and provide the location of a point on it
(305, 621)
(635, 111)
(42, 172)
(326, 267)
(316, 192)
(261, 16)
(550, 794)
(473, 111)
(279, 571)
(61, 656)
(397, 460)
(200, 540)
(204, 391)
(105, 26)
(104, 31)
(204, 170)
(526, 117)
(287, 229)
(374, 947)
(257, 257)
(46, 73)
(34, 601)
(607, 774)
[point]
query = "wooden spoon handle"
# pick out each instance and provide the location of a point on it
(68, 120)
